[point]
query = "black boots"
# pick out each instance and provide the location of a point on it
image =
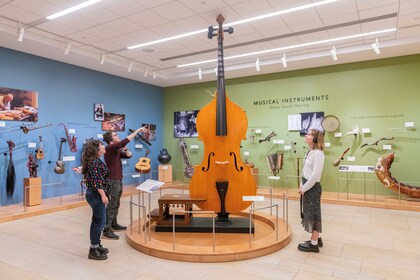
(97, 254)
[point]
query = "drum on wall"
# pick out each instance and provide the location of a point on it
(330, 123)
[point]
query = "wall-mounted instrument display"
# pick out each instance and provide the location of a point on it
(377, 141)
(383, 172)
(143, 165)
(70, 139)
(27, 128)
(11, 175)
(39, 152)
(275, 162)
(59, 165)
(268, 138)
(338, 160)
(222, 178)
(330, 123)
(189, 170)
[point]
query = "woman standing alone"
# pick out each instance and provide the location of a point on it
(311, 190)
(97, 195)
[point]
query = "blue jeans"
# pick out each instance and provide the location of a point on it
(98, 216)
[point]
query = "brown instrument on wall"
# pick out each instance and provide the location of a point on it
(222, 178)
(143, 165)
(337, 161)
(27, 128)
(11, 175)
(70, 139)
(39, 150)
(59, 165)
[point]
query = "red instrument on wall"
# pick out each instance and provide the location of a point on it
(222, 178)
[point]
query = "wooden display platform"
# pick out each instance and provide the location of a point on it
(198, 247)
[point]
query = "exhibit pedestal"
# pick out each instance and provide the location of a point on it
(33, 193)
(165, 173)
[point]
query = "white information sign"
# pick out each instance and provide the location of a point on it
(356, 168)
(149, 186)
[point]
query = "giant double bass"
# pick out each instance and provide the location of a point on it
(222, 178)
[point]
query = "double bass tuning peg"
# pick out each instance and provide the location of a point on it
(210, 34)
(229, 30)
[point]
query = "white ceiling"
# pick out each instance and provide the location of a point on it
(110, 26)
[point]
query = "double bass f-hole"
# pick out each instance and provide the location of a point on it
(236, 162)
(208, 162)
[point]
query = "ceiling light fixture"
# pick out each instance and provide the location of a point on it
(284, 61)
(72, 9)
(130, 66)
(375, 47)
(215, 71)
(294, 46)
(257, 65)
(334, 53)
(200, 76)
(234, 23)
(21, 32)
(67, 50)
(102, 58)
(146, 71)
(154, 75)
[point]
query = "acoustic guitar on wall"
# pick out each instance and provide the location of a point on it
(39, 150)
(143, 166)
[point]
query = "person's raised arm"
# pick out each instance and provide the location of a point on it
(132, 135)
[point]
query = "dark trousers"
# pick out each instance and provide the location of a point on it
(114, 203)
(98, 215)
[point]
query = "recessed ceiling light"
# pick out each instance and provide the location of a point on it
(148, 50)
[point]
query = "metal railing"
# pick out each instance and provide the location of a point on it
(192, 212)
(139, 220)
(252, 213)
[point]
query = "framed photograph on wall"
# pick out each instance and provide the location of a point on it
(185, 123)
(113, 121)
(98, 112)
(18, 105)
(311, 120)
(151, 135)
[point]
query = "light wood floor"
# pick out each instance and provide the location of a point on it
(359, 243)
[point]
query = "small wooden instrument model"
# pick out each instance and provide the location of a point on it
(337, 161)
(143, 166)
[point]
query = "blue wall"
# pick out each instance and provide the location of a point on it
(67, 94)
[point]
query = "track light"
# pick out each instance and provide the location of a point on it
(334, 53)
(375, 47)
(130, 66)
(146, 71)
(154, 75)
(200, 76)
(284, 61)
(21, 32)
(257, 65)
(215, 71)
(67, 50)
(102, 58)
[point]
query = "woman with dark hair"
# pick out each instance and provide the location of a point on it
(311, 190)
(97, 195)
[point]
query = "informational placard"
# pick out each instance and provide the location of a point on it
(356, 168)
(252, 198)
(138, 146)
(278, 141)
(365, 130)
(338, 134)
(294, 122)
(273, 177)
(69, 158)
(149, 186)
(31, 145)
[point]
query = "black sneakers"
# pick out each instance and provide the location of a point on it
(308, 247)
(96, 254)
(118, 227)
(320, 243)
(109, 234)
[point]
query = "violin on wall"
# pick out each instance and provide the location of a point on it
(222, 178)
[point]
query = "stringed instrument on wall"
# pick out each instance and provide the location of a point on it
(39, 150)
(143, 165)
(222, 178)
(59, 165)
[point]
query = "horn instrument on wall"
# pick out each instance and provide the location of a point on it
(70, 139)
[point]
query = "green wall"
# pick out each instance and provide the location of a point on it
(381, 95)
